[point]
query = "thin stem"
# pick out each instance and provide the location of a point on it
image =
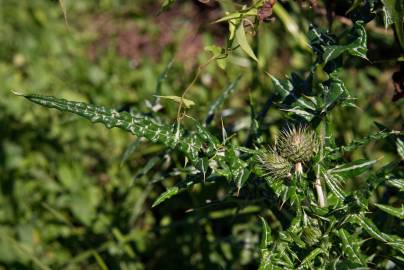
(320, 193)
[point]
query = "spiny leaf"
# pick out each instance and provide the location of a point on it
(350, 247)
(266, 239)
(357, 46)
(309, 258)
(333, 184)
(166, 195)
(356, 143)
(354, 168)
(242, 41)
(138, 125)
(397, 212)
(392, 240)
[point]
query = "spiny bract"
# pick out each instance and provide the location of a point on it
(273, 164)
(297, 144)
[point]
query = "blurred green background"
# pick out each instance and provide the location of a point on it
(78, 196)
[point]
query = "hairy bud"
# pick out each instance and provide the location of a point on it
(274, 165)
(297, 144)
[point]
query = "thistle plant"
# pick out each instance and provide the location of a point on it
(322, 225)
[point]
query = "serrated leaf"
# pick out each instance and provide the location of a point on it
(351, 247)
(139, 125)
(354, 168)
(356, 143)
(242, 41)
(166, 195)
(392, 240)
(357, 46)
(397, 212)
(333, 184)
(187, 102)
(308, 260)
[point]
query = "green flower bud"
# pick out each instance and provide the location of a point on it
(274, 165)
(311, 235)
(297, 144)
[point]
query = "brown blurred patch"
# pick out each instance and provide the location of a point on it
(138, 39)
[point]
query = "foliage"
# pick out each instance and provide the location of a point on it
(325, 177)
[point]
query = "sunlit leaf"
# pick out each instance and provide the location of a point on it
(166, 195)
(397, 212)
(187, 102)
(242, 41)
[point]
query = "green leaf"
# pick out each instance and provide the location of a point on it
(242, 41)
(395, 10)
(218, 55)
(356, 47)
(166, 195)
(139, 125)
(291, 26)
(166, 5)
(238, 15)
(334, 185)
(397, 212)
(130, 149)
(356, 143)
(354, 168)
(398, 183)
(266, 237)
(187, 102)
(392, 240)
(351, 247)
(220, 100)
(305, 264)
(400, 148)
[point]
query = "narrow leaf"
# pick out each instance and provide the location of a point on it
(266, 237)
(187, 102)
(398, 183)
(350, 247)
(242, 41)
(400, 148)
(355, 144)
(220, 100)
(397, 212)
(139, 125)
(334, 185)
(354, 168)
(166, 195)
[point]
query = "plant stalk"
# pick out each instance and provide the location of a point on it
(320, 193)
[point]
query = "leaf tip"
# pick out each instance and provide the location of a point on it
(18, 93)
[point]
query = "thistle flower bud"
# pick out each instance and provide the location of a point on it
(311, 235)
(297, 144)
(274, 165)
